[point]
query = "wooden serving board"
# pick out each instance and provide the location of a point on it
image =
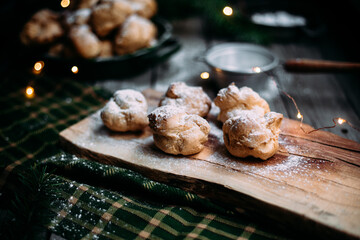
(312, 184)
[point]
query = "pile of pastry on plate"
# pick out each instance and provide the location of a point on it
(93, 28)
(179, 125)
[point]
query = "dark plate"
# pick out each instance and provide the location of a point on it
(118, 66)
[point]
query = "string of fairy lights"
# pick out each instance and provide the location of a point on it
(39, 65)
(65, 3)
(38, 69)
(227, 11)
(336, 120)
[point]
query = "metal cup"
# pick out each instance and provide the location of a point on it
(239, 63)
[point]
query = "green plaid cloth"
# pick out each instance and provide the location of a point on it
(98, 201)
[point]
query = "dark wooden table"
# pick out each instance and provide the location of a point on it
(319, 96)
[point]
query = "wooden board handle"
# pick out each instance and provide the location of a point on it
(311, 65)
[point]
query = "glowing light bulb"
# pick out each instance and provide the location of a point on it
(204, 75)
(65, 3)
(341, 121)
(30, 92)
(228, 11)
(256, 69)
(75, 69)
(299, 116)
(38, 65)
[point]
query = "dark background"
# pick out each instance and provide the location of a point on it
(338, 20)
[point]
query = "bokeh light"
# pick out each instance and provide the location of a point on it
(341, 121)
(228, 11)
(204, 75)
(256, 69)
(75, 69)
(29, 92)
(65, 3)
(39, 65)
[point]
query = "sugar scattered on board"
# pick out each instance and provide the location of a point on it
(289, 168)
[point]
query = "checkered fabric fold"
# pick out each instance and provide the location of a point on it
(99, 201)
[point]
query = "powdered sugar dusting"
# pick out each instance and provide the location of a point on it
(216, 132)
(145, 23)
(285, 170)
(126, 100)
(80, 16)
(136, 6)
(232, 101)
(289, 167)
(111, 107)
(231, 90)
(159, 116)
(194, 99)
(130, 99)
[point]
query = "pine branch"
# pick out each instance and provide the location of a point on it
(29, 210)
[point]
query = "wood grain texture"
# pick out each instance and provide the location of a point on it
(320, 97)
(312, 184)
